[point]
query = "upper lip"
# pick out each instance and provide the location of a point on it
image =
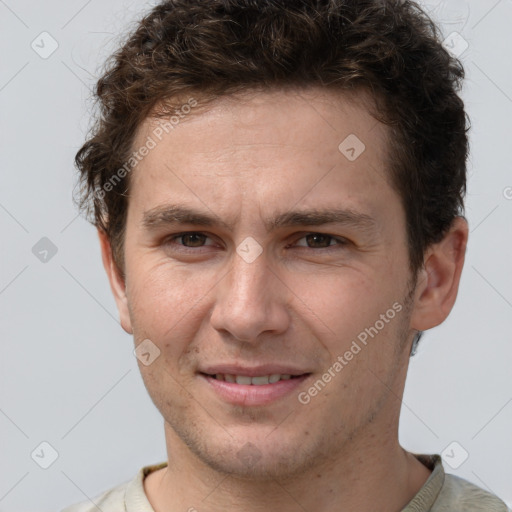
(252, 371)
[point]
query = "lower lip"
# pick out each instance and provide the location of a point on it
(249, 394)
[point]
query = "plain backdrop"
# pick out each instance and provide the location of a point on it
(68, 375)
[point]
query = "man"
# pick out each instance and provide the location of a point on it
(278, 190)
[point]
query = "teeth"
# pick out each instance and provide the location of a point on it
(258, 381)
(255, 381)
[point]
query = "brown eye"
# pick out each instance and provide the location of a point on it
(189, 240)
(320, 241)
(193, 239)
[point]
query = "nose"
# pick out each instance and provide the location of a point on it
(250, 300)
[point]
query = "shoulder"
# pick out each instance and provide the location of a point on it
(459, 494)
(109, 501)
(126, 497)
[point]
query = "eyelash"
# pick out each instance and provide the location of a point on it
(340, 241)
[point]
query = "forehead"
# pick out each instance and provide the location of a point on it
(294, 143)
(290, 112)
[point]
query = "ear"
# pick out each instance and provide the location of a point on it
(438, 280)
(117, 284)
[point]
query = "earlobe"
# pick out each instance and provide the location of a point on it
(117, 283)
(438, 282)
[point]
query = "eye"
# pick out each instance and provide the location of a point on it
(189, 240)
(321, 241)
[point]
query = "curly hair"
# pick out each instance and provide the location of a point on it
(210, 48)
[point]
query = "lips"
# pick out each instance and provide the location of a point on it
(253, 386)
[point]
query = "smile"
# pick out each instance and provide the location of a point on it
(253, 391)
(255, 381)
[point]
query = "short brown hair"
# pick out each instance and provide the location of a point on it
(210, 48)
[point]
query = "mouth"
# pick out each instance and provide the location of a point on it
(255, 390)
(247, 380)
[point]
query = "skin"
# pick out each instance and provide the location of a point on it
(302, 301)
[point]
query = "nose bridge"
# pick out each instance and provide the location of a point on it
(248, 280)
(248, 301)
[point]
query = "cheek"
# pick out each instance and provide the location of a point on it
(165, 304)
(343, 303)
(361, 320)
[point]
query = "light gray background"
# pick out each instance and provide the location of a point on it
(68, 375)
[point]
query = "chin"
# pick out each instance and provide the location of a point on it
(258, 455)
(253, 464)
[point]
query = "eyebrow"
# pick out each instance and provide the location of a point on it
(169, 214)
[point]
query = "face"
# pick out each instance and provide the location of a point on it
(256, 245)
